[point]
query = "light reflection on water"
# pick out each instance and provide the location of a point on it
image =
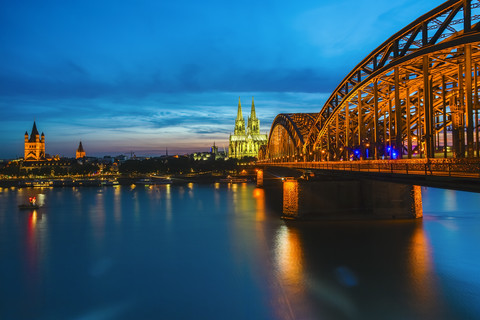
(117, 204)
(221, 251)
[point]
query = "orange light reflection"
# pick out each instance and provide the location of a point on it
(421, 268)
(290, 273)
(259, 195)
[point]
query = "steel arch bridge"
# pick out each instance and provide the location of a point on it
(415, 96)
(287, 137)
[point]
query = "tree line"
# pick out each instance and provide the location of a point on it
(171, 165)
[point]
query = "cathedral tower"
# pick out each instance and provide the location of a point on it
(239, 122)
(35, 145)
(253, 127)
(80, 152)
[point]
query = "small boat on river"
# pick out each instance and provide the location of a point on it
(32, 204)
(153, 181)
(230, 179)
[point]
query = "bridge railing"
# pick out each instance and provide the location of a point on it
(437, 167)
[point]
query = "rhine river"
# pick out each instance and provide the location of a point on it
(222, 252)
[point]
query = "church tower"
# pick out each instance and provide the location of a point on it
(239, 122)
(253, 127)
(35, 145)
(80, 152)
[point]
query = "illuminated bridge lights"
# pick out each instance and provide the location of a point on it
(415, 96)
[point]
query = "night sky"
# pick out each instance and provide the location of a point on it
(144, 75)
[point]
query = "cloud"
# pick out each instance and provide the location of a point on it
(187, 122)
(71, 80)
(128, 75)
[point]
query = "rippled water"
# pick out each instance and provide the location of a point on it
(221, 252)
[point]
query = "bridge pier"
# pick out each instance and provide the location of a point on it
(259, 178)
(334, 198)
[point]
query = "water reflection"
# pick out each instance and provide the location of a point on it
(423, 281)
(235, 255)
(168, 202)
(97, 217)
(117, 204)
(336, 269)
(36, 248)
(259, 195)
(288, 253)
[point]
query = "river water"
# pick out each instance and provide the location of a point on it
(221, 252)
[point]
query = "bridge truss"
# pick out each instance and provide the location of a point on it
(416, 95)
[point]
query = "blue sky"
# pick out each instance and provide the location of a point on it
(146, 75)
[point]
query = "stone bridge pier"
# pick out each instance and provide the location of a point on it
(336, 198)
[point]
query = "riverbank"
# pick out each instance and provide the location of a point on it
(112, 181)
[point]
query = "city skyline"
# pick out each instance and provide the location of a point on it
(144, 77)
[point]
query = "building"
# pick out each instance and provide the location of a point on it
(80, 152)
(246, 144)
(214, 154)
(35, 145)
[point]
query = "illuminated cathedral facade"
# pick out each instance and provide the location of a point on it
(34, 145)
(246, 143)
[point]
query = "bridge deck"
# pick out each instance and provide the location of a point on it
(441, 173)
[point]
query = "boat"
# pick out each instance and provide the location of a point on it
(109, 183)
(230, 179)
(161, 180)
(144, 182)
(153, 181)
(32, 204)
(38, 183)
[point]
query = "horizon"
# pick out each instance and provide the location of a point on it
(143, 77)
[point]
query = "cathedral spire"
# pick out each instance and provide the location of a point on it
(239, 122)
(253, 115)
(34, 131)
(239, 111)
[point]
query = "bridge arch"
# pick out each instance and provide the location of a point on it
(286, 139)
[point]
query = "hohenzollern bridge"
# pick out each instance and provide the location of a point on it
(411, 105)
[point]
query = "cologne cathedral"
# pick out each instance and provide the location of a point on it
(35, 145)
(246, 144)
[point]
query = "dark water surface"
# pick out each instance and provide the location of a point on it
(221, 252)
